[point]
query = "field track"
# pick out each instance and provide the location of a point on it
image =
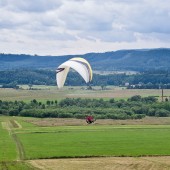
(109, 163)
(9, 126)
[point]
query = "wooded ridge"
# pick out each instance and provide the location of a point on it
(135, 60)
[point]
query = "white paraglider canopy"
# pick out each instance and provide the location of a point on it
(78, 64)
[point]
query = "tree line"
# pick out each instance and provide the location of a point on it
(146, 80)
(135, 107)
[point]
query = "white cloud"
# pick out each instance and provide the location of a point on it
(81, 26)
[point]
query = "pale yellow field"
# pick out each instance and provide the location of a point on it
(109, 163)
(52, 93)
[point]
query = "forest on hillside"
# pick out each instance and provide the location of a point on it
(129, 60)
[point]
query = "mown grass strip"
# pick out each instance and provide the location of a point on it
(7, 145)
(15, 165)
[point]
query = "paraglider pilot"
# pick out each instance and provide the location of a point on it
(90, 119)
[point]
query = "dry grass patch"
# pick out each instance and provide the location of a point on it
(55, 94)
(77, 122)
(110, 163)
(118, 93)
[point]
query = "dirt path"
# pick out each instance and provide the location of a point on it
(11, 125)
(109, 163)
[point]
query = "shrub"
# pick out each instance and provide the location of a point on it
(14, 112)
(65, 115)
(162, 113)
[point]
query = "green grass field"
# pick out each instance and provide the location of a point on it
(9, 156)
(96, 141)
(93, 140)
(8, 148)
(77, 141)
(15, 165)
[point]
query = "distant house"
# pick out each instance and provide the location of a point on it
(126, 84)
(132, 86)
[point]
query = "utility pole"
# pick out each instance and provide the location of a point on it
(162, 94)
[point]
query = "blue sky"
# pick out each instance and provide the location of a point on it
(61, 27)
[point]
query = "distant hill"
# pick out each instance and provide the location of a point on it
(135, 60)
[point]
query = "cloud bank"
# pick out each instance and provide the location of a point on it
(50, 27)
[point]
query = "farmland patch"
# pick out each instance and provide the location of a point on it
(118, 163)
(77, 122)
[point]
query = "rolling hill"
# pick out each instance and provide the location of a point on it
(136, 60)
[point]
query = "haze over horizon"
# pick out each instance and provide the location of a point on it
(64, 27)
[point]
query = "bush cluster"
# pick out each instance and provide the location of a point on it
(135, 107)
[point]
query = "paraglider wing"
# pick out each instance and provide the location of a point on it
(78, 64)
